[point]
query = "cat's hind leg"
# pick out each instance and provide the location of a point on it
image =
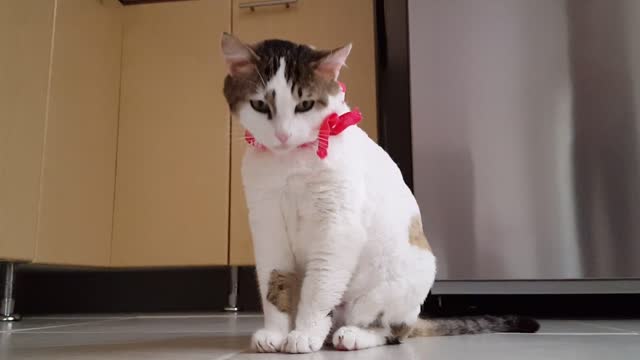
(389, 329)
(357, 325)
(355, 338)
(363, 323)
(387, 313)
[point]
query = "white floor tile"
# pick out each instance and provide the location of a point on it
(225, 337)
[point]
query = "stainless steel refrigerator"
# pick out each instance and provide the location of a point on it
(526, 142)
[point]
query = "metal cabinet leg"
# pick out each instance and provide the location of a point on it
(233, 293)
(8, 301)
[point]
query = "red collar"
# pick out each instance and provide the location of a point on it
(331, 125)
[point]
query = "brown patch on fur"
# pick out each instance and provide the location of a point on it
(399, 332)
(322, 88)
(377, 323)
(239, 88)
(283, 292)
(423, 328)
(302, 62)
(416, 234)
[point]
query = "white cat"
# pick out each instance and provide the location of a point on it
(328, 208)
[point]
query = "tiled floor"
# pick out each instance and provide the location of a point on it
(226, 337)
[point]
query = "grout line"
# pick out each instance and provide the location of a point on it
(249, 332)
(138, 316)
(229, 356)
(602, 326)
(56, 326)
(227, 332)
(79, 318)
(571, 334)
(220, 316)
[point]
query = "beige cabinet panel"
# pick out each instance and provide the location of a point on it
(323, 24)
(240, 246)
(172, 187)
(78, 175)
(25, 45)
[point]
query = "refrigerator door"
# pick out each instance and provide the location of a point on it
(525, 130)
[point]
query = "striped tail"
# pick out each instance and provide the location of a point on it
(474, 325)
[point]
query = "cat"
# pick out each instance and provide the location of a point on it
(340, 252)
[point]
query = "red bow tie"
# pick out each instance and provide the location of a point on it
(334, 125)
(331, 125)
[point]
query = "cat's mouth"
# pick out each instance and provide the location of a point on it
(282, 147)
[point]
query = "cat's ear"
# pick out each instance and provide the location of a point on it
(329, 66)
(240, 58)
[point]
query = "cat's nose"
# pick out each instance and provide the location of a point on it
(283, 137)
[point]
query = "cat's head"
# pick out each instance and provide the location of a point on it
(282, 91)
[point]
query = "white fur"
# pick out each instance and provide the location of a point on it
(343, 221)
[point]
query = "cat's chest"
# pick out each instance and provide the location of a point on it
(296, 207)
(296, 185)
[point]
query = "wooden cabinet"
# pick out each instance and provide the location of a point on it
(78, 168)
(115, 139)
(173, 152)
(25, 44)
(323, 24)
(58, 100)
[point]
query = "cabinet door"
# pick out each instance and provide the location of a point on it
(173, 149)
(323, 24)
(25, 45)
(77, 184)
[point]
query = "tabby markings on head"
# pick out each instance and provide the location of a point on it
(301, 65)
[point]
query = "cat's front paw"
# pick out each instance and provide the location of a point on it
(266, 341)
(298, 342)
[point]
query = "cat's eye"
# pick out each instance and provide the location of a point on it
(305, 106)
(260, 106)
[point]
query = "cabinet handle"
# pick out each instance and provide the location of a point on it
(254, 4)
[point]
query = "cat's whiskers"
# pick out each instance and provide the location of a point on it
(264, 83)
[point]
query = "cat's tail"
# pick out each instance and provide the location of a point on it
(474, 325)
